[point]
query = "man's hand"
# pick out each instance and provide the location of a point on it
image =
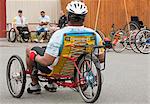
(41, 24)
(32, 55)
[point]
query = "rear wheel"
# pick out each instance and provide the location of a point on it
(16, 77)
(12, 35)
(133, 26)
(90, 82)
(143, 41)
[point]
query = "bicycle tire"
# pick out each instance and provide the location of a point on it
(96, 63)
(9, 35)
(9, 84)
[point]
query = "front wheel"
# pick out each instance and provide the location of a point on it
(16, 77)
(119, 41)
(90, 82)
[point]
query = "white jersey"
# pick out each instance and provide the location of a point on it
(56, 42)
(44, 19)
(20, 21)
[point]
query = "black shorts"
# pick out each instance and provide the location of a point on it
(21, 29)
(41, 52)
(21, 32)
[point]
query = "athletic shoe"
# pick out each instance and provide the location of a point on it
(34, 88)
(51, 87)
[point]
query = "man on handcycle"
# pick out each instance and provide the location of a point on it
(44, 59)
(20, 23)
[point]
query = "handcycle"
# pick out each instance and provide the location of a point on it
(24, 34)
(117, 40)
(130, 34)
(135, 26)
(78, 68)
(123, 38)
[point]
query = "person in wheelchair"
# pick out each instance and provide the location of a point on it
(46, 58)
(20, 24)
(42, 27)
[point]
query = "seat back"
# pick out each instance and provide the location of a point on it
(74, 45)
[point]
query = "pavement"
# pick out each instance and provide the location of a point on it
(126, 79)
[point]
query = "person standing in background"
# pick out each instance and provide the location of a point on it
(42, 27)
(62, 20)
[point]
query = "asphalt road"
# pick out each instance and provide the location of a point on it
(126, 80)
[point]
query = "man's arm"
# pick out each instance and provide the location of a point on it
(26, 21)
(43, 23)
(47, 20)
(14, 25)
(51, 52)
(101, 54)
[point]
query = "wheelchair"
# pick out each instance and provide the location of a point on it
(124, 39)
(24, 34)
(135, 26)
(78, 68)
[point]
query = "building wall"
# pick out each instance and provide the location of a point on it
(2, 18)
(113, 11)
(31, 9)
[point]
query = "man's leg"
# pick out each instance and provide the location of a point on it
(45, 33)
(38, 32)
(51, 86)
(19, 34)
(34, 86)
(26, 35)
(40, 38)
(30, 66)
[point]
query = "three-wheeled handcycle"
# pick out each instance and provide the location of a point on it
(79, 67)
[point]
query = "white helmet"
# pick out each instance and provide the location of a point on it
(77, 7)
